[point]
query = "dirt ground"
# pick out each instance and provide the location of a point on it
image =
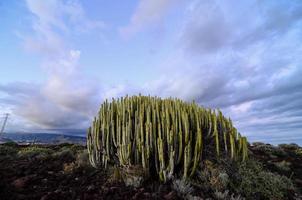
(54, 177)
(45, 179)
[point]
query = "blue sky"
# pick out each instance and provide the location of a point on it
(61, 58)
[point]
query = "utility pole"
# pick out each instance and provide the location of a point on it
(4, 124)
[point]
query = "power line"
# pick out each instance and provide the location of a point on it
(4, 124)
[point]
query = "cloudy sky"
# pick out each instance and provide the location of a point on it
(61, 58)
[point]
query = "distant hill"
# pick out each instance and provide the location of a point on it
(43, 138)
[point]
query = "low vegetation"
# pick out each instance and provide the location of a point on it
(64, 171)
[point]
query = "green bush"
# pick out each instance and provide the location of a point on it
(11, 144)
(182, 187)
(299, 152)
(73, 162)
(76, 148)
(213, 176)
(64, 154)
(291, 146)
(226, 195)
(283, 166)
(82, 159)
(269, 149)
(257, 183)
(7, 150)
(34, 152)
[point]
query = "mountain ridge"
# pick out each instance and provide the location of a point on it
(44, 138)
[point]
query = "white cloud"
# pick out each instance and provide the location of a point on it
(241, 59)
(54, 19)
(241, 108)
(48, 13)
(147, 13)
(66, 99)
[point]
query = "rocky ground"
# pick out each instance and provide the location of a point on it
(63, 172)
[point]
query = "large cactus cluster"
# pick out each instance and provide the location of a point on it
(164, 136)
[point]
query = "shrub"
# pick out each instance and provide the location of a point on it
(76, 148)
(69, 168)
(223, 179)
(299, 152)
(133, 175)
(269, 149)
(64, 154)
(82, 159)
(160, 135)
(7, 150)
(218, 181)
(182, 187)
(191, 197)
(116, 175)
(257, 143)
(213, 176)
(11, 144)
(256, 182)
(283, 166)
(32, 152)
(226, 195)
(291, 146)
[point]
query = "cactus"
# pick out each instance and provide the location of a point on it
(160, 134)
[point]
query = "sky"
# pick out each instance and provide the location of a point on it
(60, 59)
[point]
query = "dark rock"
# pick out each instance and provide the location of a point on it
(171, 195)
(20, 182)
(90, 188)
(58, 191)
(113, 188)
(136, 196)
(147, 194)
(45, 197)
